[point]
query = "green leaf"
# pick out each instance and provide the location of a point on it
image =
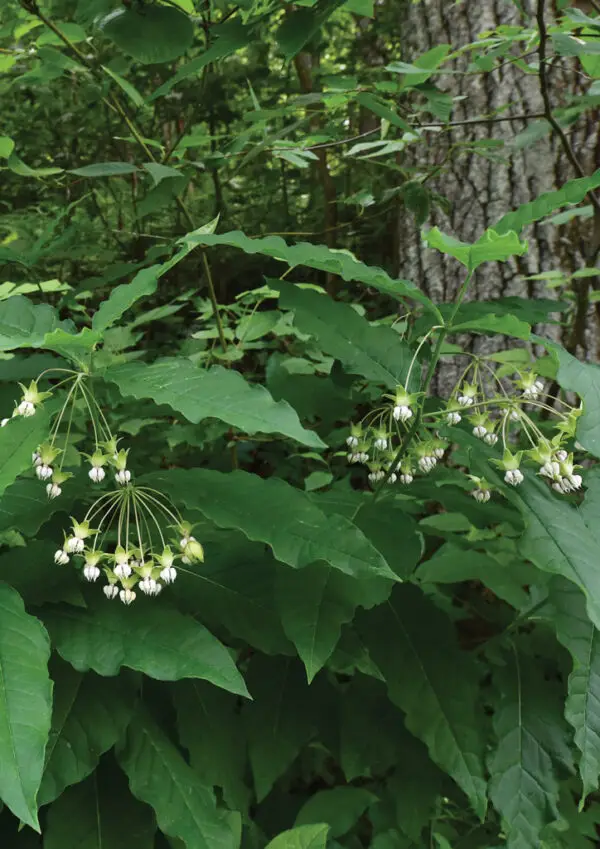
(89, 716)
(25, 705)
(273, 512)
(151, 34)
(440, 708)
(158, 775)
(76, 347)
(18, 440)
(339, 807)
(24, 506)
(314, 604)
(582, 709)
(24, 324)
(490, 247)
(160, 172)
(280, 719)
(300, 25)
(451, 564)
(122, 297)
(558, 540)
(216, 392)
(99, 813)
(301, 837)
(72, 31)
(129, 89)
(339, 262)
(584, 379)
(574, 191)
(508, 325)
(159, 642)
(7, 146)
(380, 108)
(105, 169)
(227, 38)
(257, 324)
(377, 353)
(527, 722)
(209, 727)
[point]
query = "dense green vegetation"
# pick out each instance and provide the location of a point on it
(291, 553)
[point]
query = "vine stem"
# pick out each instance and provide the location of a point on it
(113, 101)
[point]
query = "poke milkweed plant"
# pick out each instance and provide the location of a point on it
(261, 582)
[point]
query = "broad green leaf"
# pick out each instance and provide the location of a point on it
(440, 708)
(76, 347)
(24, 324)
(377, 353)
(160, 172)
(582, 709)
(558, 540)
(72, 31)
(301, 24)
(280, 719)
(528, 726)
(314, 604)
(574, 191)
(25, 705)
(151, 35)
(18, 440)
(157, 641)
(229, 37)
(216, 392)
(301, 837)
(16, 164)
(339, 807)
(209, 726)
(490, 247)
(122, 297)
(24, 504)
(339, 262)
(273, 512)
(89, 716)
(105, 169)
(35, 576)
(584, 379)
(451, 564)
(185, 807)
(256, 325)
(380, 108)
(99, 813)
(129, 89)
(7, 146)
(507, 325)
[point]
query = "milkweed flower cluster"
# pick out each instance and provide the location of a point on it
(132, 535)
(497, 412)
(137, 543)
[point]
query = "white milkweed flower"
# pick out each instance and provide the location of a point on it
(402, 413)
(352, 441)
(26, 409)
(467, 395)
(481, 495)
(514, 415)
(61, 557)
(453, 418)
(4, 422)
(393, 478)
(53, 490)
(363, 457)
(381, 443)
(127, 596)
(375, 477)
(530, 393)
(110, 591)
(562, 455)
(551, 469)
(44, 472)
(490, 438)
(479, 431)
(427, 463)
(558, 486)
(406, 478)
(122, 570)
(149, 586)
(96, 474)
(575, 481)
(36, 460)
(123, 477)
(513, 477)
(91, 572)
(168, 574)
(75, 545)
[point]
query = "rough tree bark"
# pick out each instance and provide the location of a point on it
(481, 191)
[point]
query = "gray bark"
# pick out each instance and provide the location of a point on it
(480, 190)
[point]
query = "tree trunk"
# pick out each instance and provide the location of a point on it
(480, 190)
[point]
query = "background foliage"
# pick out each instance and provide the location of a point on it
(200, 211)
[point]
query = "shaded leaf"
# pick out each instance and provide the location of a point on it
(301, 24)
(158, 775)
(89, 716)
(105, 169)
(339, 807)
(273, 512)
(216, 392)
(24, 324)
(157, 641)
(301, 837)
(18, 440)
(490, 247)
(377, 353)
(440, 708)
(151, 34)
(25, 705)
